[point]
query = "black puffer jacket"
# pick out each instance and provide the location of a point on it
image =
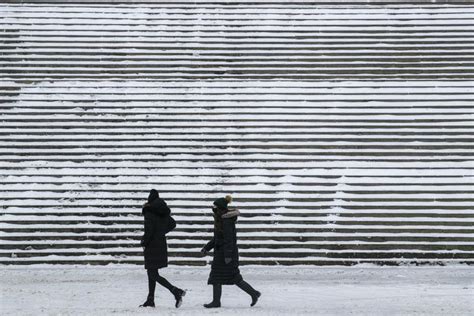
(224, 244)
(158, 223)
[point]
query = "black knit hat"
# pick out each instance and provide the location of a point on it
(153, 195)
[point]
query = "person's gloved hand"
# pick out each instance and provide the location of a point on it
(204, 251)
(228, 260)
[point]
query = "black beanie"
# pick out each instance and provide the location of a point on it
(153, 195)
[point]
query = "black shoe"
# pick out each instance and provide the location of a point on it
(255, 298)
(148, 303)
(213, 305)
(178, 296)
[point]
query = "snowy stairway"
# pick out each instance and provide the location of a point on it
(344, 132)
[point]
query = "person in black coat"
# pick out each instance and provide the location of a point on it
(158, 223)
(225, 264)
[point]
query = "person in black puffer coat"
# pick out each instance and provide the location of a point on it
(225, 264)
(158, 223)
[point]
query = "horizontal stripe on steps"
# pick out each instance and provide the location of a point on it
(196, 161)
(263, 142)
(343, 164)
(264, 209)
(246, 194)
(322, 229)
(241, 25)
(256, 34)
(413, 76)
(339, 214)
(360, 52)
(312, 180)
(297, 103)
(260, 19)
(244, 186)
(242, 15)
(236, 9)
(230, 117)
(63, 244)
(243, 31)
(244, 237)
(195, 148)
(162, 89)
(242, 7)
(270, 262)
(243, 255)
(392, 4)
(236, 130)
(244, 223)
(35, 42)
(184, 86)
(258, 203)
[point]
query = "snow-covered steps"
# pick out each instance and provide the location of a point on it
(248, 40)
(343, 131)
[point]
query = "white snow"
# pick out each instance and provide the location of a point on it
(359, 290)
(272, 8)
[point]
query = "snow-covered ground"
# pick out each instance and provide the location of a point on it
(360, 290)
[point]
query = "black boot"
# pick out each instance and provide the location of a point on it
(254, 294)
(216, 297)
(212, 305)
(150, 302)
(178, 296)
(255, 298)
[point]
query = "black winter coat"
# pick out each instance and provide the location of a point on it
(225, 246)
(158, 223)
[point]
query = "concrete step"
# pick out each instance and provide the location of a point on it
(243, 222)
(274, 230)
(28, 239)
(268, 262)
(246, 195)
(256, 201)
(260, 255)
(65, 244)
(341, 216)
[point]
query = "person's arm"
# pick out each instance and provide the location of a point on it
(149, 230)
(209, 246)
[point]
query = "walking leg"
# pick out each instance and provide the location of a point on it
(216, 297)
(150, 301)
(177, 292)
(250, 291)
(163, 282)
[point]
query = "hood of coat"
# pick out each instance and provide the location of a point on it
(157, 206)
(153, 195)
(231, 214)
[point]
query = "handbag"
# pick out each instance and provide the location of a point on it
(171, 224)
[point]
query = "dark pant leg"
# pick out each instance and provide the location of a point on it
(247, 288)
(216, 293)
(151, 282)
(163, 282)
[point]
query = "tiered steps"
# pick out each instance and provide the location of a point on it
(343, 131)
